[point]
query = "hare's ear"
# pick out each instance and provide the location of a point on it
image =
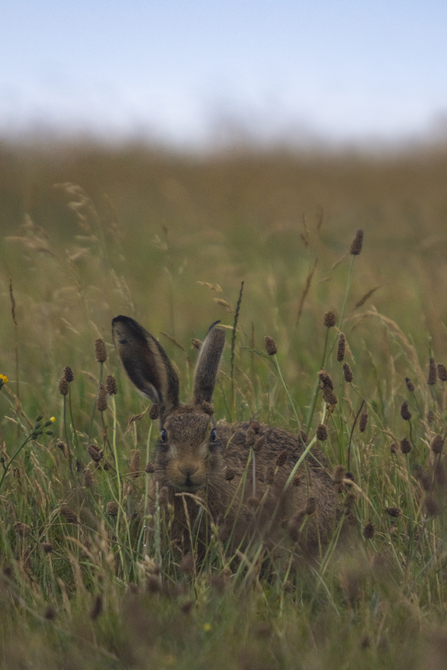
(146, 363)
(208, 364)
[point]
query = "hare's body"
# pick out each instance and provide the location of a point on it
(238, 476)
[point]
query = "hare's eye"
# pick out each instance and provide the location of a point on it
(164, 435)
(213, 435)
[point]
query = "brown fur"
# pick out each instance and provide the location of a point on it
(203, 464)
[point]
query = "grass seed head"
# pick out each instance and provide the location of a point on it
(259, 443)
(329, 319)
(405, 446)
(405, 412)
(393, 512)
(325, 379)
(436, 444)
(431, 379)
(100, 350)
(22, 529)
(369, 530)
(197, 344)
(47, 548)
(363, 421)
(357, 243)
(329, 396)
(63, 447)
(281, 458)
(63, 386)
(229, 474)
(134, 466)
(68, 374)
(341, 346)
(101, 401)
(88, 478)
(347, 373)
(442, 372)
(431, 505)
(410, 386)
(95, 453)
(111, 385)
(322, 432)
(112, 508)
(270, 346)
(68, 514)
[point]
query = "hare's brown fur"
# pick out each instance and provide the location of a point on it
(201, 464)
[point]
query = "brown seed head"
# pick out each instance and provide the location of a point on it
(431, 505)
(270, 345)
(282, 458)
(405, 446)
(100, 350)
(423, 478)
(259, 443)
(95, 453)
(405, 412)
(250, 437)
(341, 346)
(410, 385)
(325, 379)
(68, 374)
(163, 495)
(22, 529)
(134, 465)
(150, 468)
(269, 475)
(47, 548)
(357, 243)
(329, 319)
(255, 425)
(329, 396)
(347, 372)
(322, 432)
(197, 344)
(68, 514)
(88, 478)
(369, 530)
(393, 511)
(436, 444)
(339, 474)
(111, 385)
(363, 421)
(112, 508)
(229, 474)
(442, 372)
(101, 401)
(431, 379)
(63, 386)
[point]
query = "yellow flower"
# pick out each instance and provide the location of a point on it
(207, 626)
(52, 419)
(4, 379)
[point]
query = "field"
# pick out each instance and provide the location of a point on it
(88, 232)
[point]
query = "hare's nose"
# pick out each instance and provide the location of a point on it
(188, 470)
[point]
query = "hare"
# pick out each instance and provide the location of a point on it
(240, 473)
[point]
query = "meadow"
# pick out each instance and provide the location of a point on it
(89, 579)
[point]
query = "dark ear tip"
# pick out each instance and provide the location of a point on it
(213, 325)
(121, 319)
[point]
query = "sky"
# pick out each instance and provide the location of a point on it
(196, 72)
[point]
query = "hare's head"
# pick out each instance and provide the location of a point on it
(189, 452)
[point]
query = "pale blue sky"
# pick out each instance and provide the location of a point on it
(182, 71)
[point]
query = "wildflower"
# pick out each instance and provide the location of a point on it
(329, 319)
(270, 345)
(207, 627)
(357, 243)
(3, 380)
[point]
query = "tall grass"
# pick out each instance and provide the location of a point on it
(90, 577)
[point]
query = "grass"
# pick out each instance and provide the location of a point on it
(88, 579)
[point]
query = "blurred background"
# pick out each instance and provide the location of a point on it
(201, 74)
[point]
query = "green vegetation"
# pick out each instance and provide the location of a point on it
(88, 578)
